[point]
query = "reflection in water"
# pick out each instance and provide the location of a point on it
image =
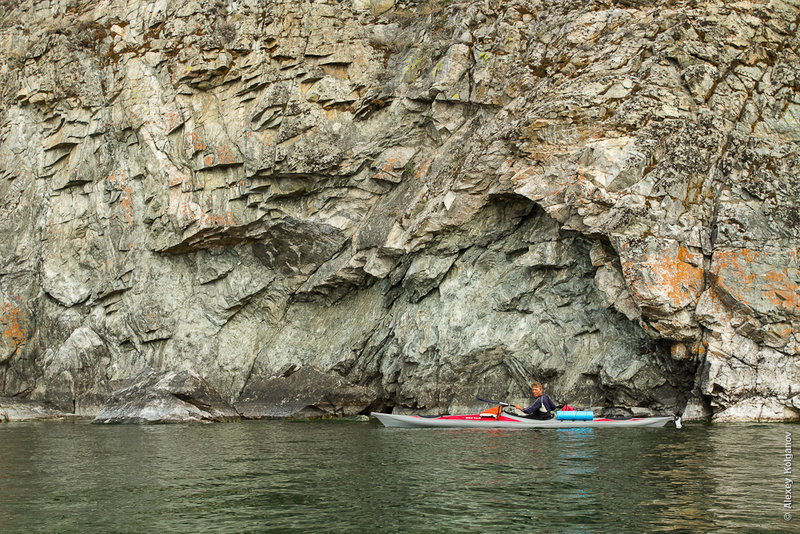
(281, 476)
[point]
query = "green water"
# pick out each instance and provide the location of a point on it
(361, 477)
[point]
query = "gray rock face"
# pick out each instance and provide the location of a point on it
(307, 392)
(171, 397)
(428, 200)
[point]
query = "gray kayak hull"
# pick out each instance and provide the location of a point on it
(511, 421)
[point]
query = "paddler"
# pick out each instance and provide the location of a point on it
(542, 407)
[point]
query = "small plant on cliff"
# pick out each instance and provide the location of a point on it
(226, 32)
(408, 171)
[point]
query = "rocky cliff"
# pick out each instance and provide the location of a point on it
(379, 204)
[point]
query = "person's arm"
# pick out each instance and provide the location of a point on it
(530, 409)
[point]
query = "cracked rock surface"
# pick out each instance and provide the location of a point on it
(407, 202)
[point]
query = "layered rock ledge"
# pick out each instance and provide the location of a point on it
(170, 397)
(15, 410)
(424, 200)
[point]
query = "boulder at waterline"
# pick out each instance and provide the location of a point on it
(13, 409)
(165, 397)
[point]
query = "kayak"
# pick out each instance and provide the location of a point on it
(484, 420)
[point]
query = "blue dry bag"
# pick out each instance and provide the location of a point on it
(574, 416)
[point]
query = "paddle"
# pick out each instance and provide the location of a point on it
(514, 405)
(494, 402)
(501, 403)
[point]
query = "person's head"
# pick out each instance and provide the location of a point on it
(537, 389)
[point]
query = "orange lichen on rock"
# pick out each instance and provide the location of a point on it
(663, 277)
(195, 140)
(172, 120)
(679, 351)
(13, 331)
(423, 170)
(210, 220)
(751, 278)
(178, 178)
(681, 280)
(126, 203)
(118, 180)
(387, 170)
(225, 155)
